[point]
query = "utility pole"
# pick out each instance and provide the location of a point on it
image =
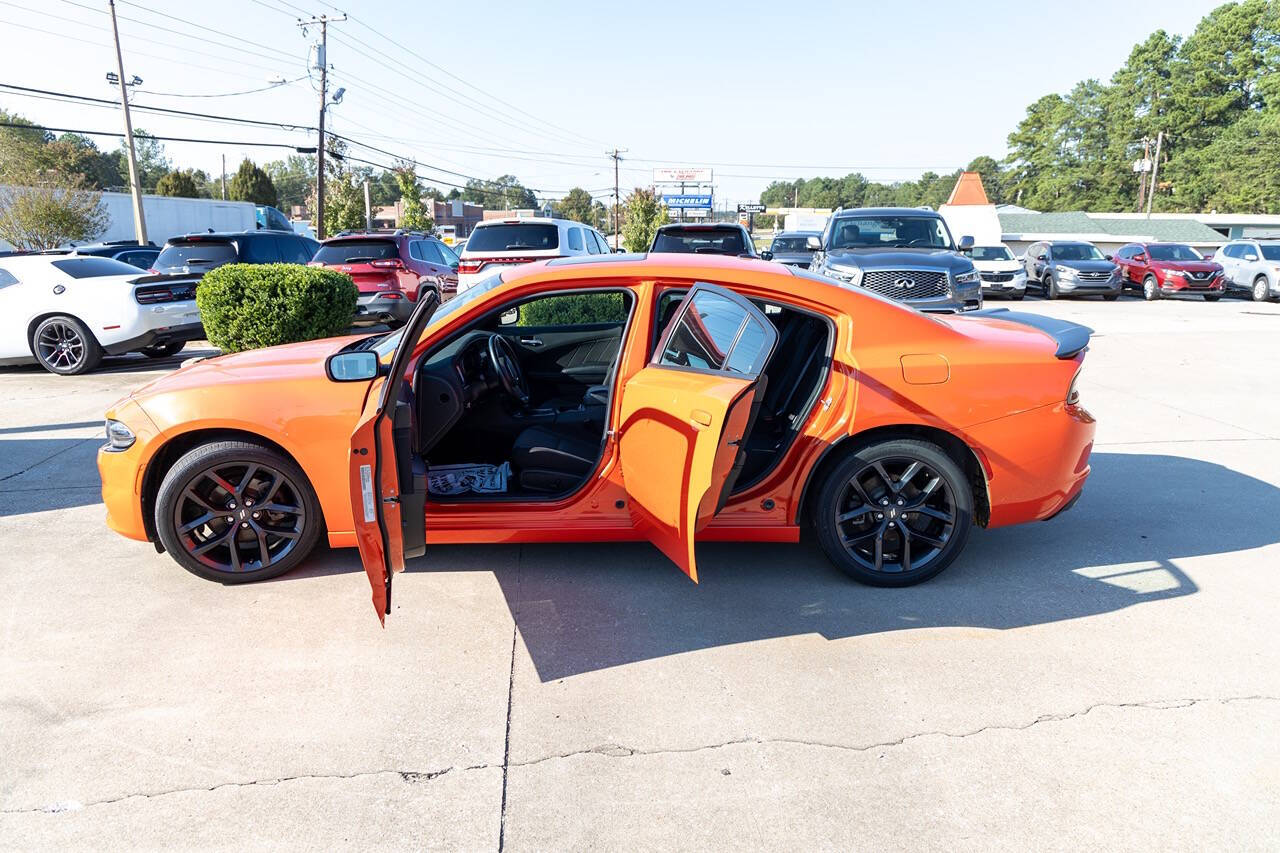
(616, 154)
(322, 61)
(224, 177)
(135, 184)
(368, 209)
(1155, 171)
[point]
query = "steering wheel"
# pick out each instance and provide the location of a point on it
(507, 364)
(919, 241)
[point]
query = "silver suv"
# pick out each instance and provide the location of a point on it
(1252, 266)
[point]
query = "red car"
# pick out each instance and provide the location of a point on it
(391, 270)
(1165, 269)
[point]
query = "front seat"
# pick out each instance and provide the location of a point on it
(553, 459)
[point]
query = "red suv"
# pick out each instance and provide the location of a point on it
(391, 270)
(1164, 269)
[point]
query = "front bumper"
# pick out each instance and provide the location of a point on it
(1113, 285)
(376, 308)
(1015, 285)
(1176, 284)
(121, 471)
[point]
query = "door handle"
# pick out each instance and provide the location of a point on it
(701, 416)
(531, 342)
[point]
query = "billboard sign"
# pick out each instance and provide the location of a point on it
(682, 175)
(703, 201)
(751, 208)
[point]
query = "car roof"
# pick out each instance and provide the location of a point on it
(798, 234)
(699, 226)
(232, 235)
(18, 262)
(524, 220)
(886, 211)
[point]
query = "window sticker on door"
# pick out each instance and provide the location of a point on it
(366, 490)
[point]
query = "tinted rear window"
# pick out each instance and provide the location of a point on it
(514, 237)
(92, 267)
(702, 241)
(358, 251)
(201, 255)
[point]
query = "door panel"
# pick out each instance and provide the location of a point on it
(563, 361)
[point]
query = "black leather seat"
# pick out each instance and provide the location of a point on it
(553, 459)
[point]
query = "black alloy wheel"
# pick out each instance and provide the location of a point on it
(64, 346)
(234, 512)
(895, 513)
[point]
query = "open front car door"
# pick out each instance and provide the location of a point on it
(388, 481)
(685, 414)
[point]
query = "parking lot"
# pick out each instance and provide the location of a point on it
(1110, 675)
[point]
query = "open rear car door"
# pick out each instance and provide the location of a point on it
(388, 482)
(684, 416)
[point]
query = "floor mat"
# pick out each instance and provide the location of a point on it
(460, 479)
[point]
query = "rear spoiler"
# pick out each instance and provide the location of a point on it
(1071, 338)
(159, 278)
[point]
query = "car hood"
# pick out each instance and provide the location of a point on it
(1087, 266)
(283, 364)
(998, 266)
(870, 259)
(1188, 266)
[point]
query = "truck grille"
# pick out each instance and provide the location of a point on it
(906, 284)
(997, 276)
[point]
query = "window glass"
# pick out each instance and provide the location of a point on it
(1076, 252)
(513, 237)
(571, 309)
(357, 251)
(415, 250)
(449, 255)
(196, 255)
(1174, 252)
(259, 249)
(713, 241)
(705, 332)
(991, 253)
(294, 250)
(859, 232)
(430, 250)
(1271, 251)
(141, 260)
(575, 239)
(790, 244)
(93, 267)
(593, 245)
(7, 278)
(748, 354)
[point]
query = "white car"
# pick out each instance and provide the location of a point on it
(66, 311)
(1002, 274)
(498, 243)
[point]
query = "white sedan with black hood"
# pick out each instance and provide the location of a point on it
(65, 312)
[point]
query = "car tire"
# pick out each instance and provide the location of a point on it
(1212, 297)
(1017, 297)
(220, 549)
(1110, 297)
(1150, 290)
(1261, 290)
(1050, 286)
(163, 350)
(931, 498)
(65, 346)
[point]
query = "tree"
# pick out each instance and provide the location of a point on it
(252, 184)
(579, 206)
(181, 184)
(504, 193)
(384, 189)
(413, 214)
(44, 210)
(294, 178)
(643, 217)
(152, 162)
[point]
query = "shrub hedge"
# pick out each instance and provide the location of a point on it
(574, 308)
(247, 306)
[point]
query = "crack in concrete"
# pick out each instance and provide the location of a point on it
(610, 750)
(620, 751)
(53, 455)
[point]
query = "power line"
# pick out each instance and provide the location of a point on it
(118, 135)
(225, 94)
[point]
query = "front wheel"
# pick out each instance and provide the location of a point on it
(1017, 297)
(63, 345)
(1110, 297)
(894, 513)
(1212, 297)
(1050, 287)
(1150, 291)
(234, 511)
(1261, 289)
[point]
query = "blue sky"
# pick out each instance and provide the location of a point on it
(757, 90)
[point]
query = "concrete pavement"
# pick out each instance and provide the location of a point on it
(1109, 678)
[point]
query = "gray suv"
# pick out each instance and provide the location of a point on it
(1252, 266)
(1072, 268)
(904, 253)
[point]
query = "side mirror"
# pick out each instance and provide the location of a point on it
(621, 250)
(509, 317)
(352, 366)
(1041, 257)
(966, 243)
(454, 266)
(1142, 259)
(1251, 257)
(1108, 257)
(766, 255)
(813, 243)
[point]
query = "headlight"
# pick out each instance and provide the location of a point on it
(970, 277)
(1065, 272)
(1178, 273)
(852, 276)
(119, 436)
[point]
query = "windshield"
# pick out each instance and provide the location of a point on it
(387, 344)
(1271, 252)
(1076, 252)
(991, 253)
(706, 241)
(1174, 252)
(514, 237)
(202, 255)
(886, 232)
(94, 267)
(346, 251)
(790, 244)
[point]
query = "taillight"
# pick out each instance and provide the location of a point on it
(396, 264)
(474, 265)
(470, 266)
(1073, 394)
(164, 293)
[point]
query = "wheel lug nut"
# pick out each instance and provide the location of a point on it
(244, 524)
(901, 501)
(230, 519)
(879, 515)
(884, 502)
(255, 515)
(248, 503)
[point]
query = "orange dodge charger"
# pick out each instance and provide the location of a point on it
(667, 397)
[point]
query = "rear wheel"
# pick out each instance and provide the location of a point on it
(894, 513)
(1150, 291)
(163, 350)
(63, 345)
(1110, 297)
(1017, 296)
(233, 511)
(1212, 297)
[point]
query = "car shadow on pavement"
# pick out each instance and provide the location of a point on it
(127, 363)
(40, 474)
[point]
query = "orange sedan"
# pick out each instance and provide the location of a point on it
(667, 397)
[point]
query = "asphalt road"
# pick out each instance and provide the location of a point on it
(1110, 678)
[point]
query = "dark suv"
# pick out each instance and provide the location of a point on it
(904, 253)
(199, 253)
(130, 252)
(721, 238)
(391, 269)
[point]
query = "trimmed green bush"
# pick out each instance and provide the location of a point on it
(574, 309)
(247, 306)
